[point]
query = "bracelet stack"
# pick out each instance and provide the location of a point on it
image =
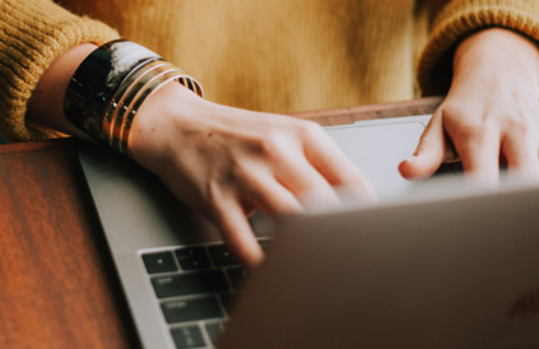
(109, 87)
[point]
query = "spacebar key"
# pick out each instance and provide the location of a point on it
(190, 283)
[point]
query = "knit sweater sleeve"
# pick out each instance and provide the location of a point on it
(32, 34)
(457, 19)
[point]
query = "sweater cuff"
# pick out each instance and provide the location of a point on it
(34, 33)
(461, 18)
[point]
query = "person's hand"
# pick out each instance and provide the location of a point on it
(227, 162)
(491, 114)
(223, 161)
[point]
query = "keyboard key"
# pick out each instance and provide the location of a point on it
(192, 258)
(215, 331)
(237, 277)
(211, 281)
(221, 256)
(228, 300)
(187, 337)
(160, 262)
(191, 310)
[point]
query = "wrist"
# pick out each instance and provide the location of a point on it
(171, 111)
(46, 106)
(497, 49)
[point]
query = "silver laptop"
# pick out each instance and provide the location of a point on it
(425, 273)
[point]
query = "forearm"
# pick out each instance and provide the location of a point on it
(453, 21)
(501, 49)
(33, 33)
(46, 106)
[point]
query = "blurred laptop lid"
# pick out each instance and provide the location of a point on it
(460, 272)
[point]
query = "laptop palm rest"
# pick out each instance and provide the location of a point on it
(136, 210)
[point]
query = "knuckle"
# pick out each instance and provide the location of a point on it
(309, 129)
(274, 145)
(245, 180)
(453, 110)
(241, 174)
(520, 125)
(270, 145)
(474, 130)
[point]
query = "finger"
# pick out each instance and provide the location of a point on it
(236, 232)
(326, 156)
(522, 155)
(302, 179)
(432, 150)
(479, 151)
(269, 196)
(295, 173)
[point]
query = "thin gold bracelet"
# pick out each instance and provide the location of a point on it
(132, 93)
(118, 98)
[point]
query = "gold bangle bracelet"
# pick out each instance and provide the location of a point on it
(129, 110)
(130, 95)
(117, 100)
(162, 81)
(110, 122)
(117, 121)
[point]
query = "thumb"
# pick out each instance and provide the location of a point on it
(429, 154)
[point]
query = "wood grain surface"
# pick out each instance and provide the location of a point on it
(58, 286)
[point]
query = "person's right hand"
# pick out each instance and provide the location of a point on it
(227, 162)
(490, 117)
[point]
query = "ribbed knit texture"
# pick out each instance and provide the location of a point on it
(32, 34)
(462, 17)
(277, 55)
(270, 55)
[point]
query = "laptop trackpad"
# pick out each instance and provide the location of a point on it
(378, 149)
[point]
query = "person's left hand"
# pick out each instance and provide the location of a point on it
(491, 113)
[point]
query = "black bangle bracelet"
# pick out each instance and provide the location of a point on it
(92, 86)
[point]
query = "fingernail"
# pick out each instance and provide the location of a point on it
(411, 158)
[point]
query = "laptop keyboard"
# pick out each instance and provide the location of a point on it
(196, 287)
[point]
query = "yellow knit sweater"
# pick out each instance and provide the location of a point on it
(270, 55)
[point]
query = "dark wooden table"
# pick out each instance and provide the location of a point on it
(58, 285)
